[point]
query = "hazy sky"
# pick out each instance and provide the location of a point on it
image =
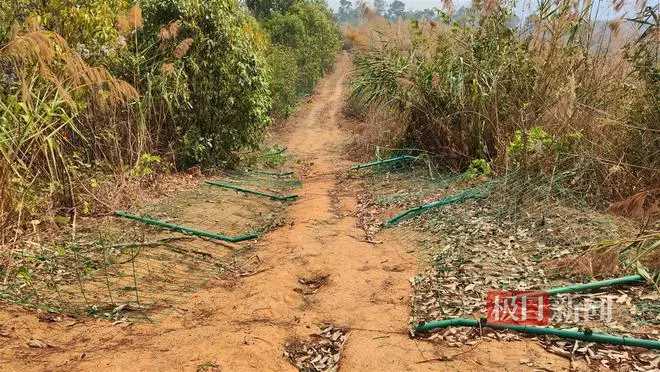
(410, 4)
(604, 13)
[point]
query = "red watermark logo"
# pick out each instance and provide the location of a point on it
(518, 307)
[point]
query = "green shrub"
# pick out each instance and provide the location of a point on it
(89, 88)
(226, 73)
(534, 144)
(303, 33)
(479, 168)
(88, 26)
(282, 61)
(145, 166)
(59, 117)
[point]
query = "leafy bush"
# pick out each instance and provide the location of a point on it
(479, 168)
(302, 32)
(89, 89)
(282, 61)
(226, 73)
(88, 26)
(145, 166)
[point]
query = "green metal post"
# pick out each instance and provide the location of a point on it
(444, 201)
(272, 173)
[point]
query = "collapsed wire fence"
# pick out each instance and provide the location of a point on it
(121, 269)
(519, 231)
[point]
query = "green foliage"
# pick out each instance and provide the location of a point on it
(645, 111)
(97, 87)
(265, 8)
(282, 61)
(534, 143)
(303, 34)
(32, 135)
(346, 13)
(145, 166)
(479, 168)
(379, 6)
(58, 117)
(267, 158)
(441, 85)
(88, 26)
(397, 9)
(226, 73)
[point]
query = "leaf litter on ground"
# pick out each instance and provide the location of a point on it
(471, 248)
(322, 352)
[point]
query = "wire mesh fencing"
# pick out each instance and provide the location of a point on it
(126, 270)
(524, 232)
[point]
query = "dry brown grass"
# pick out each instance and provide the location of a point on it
(131, 20)
(644, 206)
(380, 127)
(575, 105)
(590, 264)
(182, 48)
(66, 106)
(617, 257)
(55, 62)
(170, 31)
(371, 23)
(571, 84)
(374, 129)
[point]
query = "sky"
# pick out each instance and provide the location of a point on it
(410, 4)
(605, 13)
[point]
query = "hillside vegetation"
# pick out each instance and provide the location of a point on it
(97, 95)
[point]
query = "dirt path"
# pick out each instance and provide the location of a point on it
(243, 324)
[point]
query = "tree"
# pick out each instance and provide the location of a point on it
(264, 8)
(346, 11)
(397, 9)
(379, 5)
(423, 14)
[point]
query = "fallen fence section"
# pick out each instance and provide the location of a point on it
(456, 198)
(271, 173)
(149, 221)
(385, 161)
(563, 333)
(272, 196)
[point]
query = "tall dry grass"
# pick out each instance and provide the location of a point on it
(554, 94)
(58, 116)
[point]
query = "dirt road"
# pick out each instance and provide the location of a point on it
(244, 324)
